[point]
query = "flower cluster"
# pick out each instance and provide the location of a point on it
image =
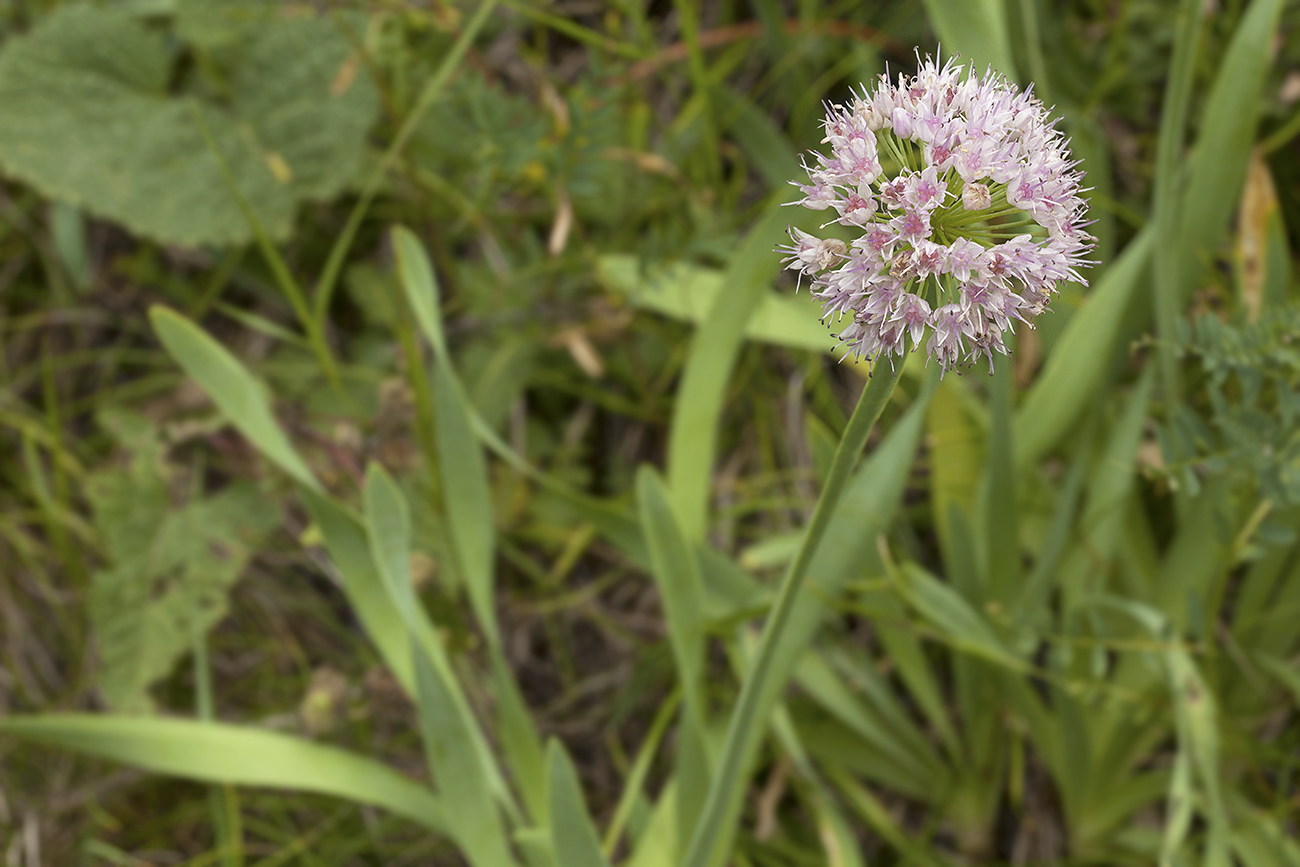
(969, 211)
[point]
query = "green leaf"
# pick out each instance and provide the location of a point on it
(676, 574)
(231, 387)
(715, 346)
(388, 528)
(954, 617)
(688, 292)
(219, 753)
(170, 568)
(349, 550)
(1218, 164)
(838, 840)
(573, 836)
(1000, 517)
(147, 607)
(908, 757)
(957, 453)
(421, 287)
(758, 136)
(519, 740)
(1081, 360)
(793, 619)
(1168, 267)
(881, 820)
(1198, 732)
(658, 846)
(449, 747)
(92, 119)
(466, 497)
(1285, 673)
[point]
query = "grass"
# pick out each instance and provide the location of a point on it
(1051, 620)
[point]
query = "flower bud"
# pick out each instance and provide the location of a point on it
(976, 197)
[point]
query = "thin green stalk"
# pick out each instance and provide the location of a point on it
(640, 769)
(1282, 135)
(334, 265)
(576, 31)
(714, 830)
(1169, 165)
(279, 269)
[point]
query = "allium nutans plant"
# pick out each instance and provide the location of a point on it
(975, 225)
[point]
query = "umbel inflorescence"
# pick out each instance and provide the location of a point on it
(969, 209)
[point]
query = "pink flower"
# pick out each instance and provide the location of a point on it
(922, 260)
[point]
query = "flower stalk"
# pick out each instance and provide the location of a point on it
(713, 831)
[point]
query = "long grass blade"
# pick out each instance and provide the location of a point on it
(232, 388)
(219, 753)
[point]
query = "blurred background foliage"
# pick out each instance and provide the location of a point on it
(1061, 626)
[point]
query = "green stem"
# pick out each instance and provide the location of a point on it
(279, 269)
(714, 830)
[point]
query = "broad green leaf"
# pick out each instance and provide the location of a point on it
(1261, 839)
(92, 119)
(975, 29)
(231, 387)
(449, 747)
(170, 568)
(467, 499)
(693, 765)
(220, 753)
(535, 845)
(573, 836)
(1081, 359)
(688, 292)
